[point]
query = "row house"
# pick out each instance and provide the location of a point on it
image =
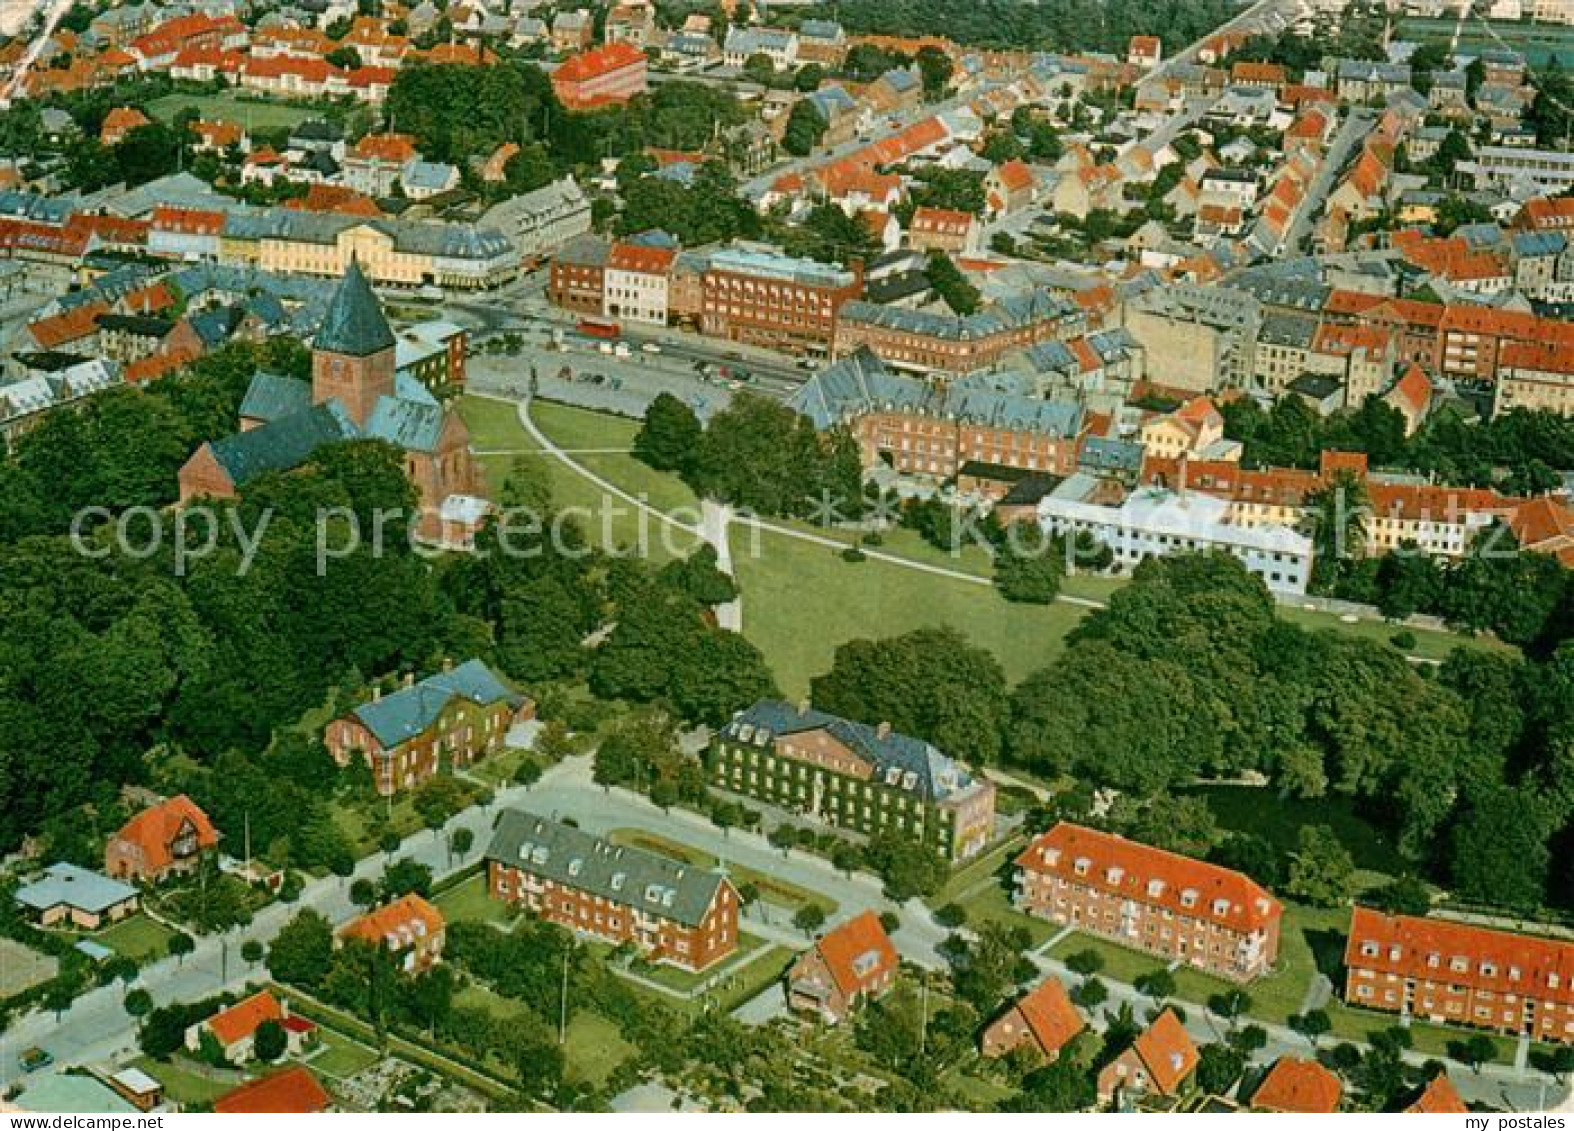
(543, 220)
(917, 428)
(1181, 909)
(1459, 974)
(636, 282)
(1534, 375)
(448, 720)
(157, 49)
(869, 779)
(577, 281)
(670, 912)
(1471, 339)
(766, 299)
(945, 230)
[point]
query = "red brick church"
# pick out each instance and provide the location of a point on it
(355, 393)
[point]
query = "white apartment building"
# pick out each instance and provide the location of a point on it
(1153, 522)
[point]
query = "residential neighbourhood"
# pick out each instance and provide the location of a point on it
(750, 558)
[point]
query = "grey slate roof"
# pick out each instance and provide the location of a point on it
(271, 397)
(631, 877)
(354, 324)
(282, 444)
(861, 384)
(396, 717)
(934, 776)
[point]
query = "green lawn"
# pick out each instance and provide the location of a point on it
(975, 872)
(339, 1056)
(254, 115)
(139, 938)
(1429, 645)
(800, 601)
(595, 1048)
(686, 981)
(469, 903)
(993, 905)
(183, 1084)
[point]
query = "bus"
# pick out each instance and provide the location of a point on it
(599, 328)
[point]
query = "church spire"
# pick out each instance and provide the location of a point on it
(354, 324)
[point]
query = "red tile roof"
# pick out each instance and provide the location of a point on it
(294, 1091)
(198, 221)
(625, 256)
(69, 326)
(154, 830)
(240, 1020)
(1414, 390)
(1048, 1011)
(598, 61)
(1546, 526)
(402, 923)
(1168, 1052)
(392, 148)
(1015, 175)
(335, 198)
(120, 121)
(857, 953)
(1435, 949)
(948, 221)
(1151, 875)
(1538, 357)
(1296, 1085)
(1439, 1098)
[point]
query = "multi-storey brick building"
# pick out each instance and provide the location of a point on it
(578, 277)
(854, 776)
(1459, 974)
(926, 342)
(672, 912)
(918, 429)
(1174, 906)
(452, 718)
(604, 76)
(773, 300)
(410, 928)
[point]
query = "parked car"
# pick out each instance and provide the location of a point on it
(32, 1059)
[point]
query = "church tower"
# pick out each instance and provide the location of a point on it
(353, 355)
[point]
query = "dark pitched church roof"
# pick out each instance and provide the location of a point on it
(354, 324)
(283, 444)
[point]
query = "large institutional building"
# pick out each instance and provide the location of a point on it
(1178, 908)
(865, 778)
(1458, 974)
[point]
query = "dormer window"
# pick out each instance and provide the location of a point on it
(1155, 888)
(1488, 970)
(1188, 898)
(1051, 856)
(1458, 964)
(1113, 875)
(1221, 907)
(1082, 865)
(1369, 950)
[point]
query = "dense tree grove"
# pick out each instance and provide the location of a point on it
(1054, 25)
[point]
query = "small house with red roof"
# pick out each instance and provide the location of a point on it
(410, 928)
(1042, 1019)
(944, 229)
(1010, 187)
(850, 965)
(295, 1091)
(1439, 1097)
(1295, 1084)
(1144, 51)
(168, 839)
(119, 122)
(1160, 1061)
(1411, 397)
(234, 1030)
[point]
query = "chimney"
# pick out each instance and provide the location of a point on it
(409, 679)
(883, 730)
(1180, 476)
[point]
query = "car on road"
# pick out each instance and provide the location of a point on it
(32, 1059)
(650, 347)
(621, 349)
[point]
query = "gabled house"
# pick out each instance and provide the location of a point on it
(1042, 1019)
(409, 928)
(851, 964)
(1295, 1084)
(294, 1091)
(167, 839)
(451, 718)
(1160, 1061)
(233, 1031)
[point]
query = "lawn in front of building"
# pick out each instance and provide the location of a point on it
(229, 105)
(139, 938)
(469, 902)
(184, 1081)
(339, 1056)
(595, 1048)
